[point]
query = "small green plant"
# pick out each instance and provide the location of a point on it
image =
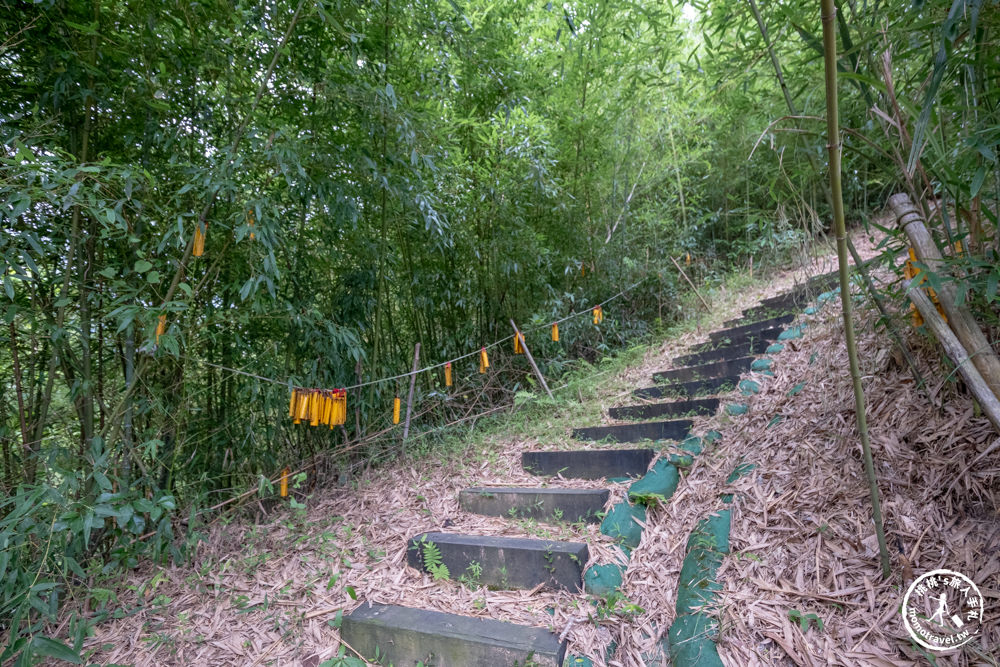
(805, 620)
(472, 574)
(550, 565)
(344, 660)
(431, 556)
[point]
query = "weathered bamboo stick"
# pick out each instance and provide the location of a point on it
(704, 303)
(961, 321)
(413, 382)
(531, 359)
(956, 352)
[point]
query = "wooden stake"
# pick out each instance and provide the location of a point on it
(705, 303)
(413, 383)
(531, 359)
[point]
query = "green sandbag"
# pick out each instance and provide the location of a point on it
(762, 364)
(603, 579)
(657, 485)
(712, 532)
(774, 348)
(620, 525)
(692, 644)
(749, 387)
(794, 332)
(692, 444)
(711, 437)
(739, 471)
(828, 296)
(810, 310)
(697, 586)
(680, 460)
(737, 409)
(796, 389)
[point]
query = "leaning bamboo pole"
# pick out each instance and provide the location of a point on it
(961, 321)
(829, 13)
(956, 352)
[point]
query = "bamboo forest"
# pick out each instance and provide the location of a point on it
(500, 332)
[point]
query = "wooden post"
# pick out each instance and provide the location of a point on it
(409, 399)
(956, 352)
(531, 359)
(705, 303)
(961, 321)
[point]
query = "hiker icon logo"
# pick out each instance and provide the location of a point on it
(943, 610)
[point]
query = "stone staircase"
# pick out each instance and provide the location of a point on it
(404, 636)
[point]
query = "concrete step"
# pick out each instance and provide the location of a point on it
(588, 463)
(406, 636)
(676, 429)
(750, 348)
(770, 333)
(746, 327)
(693, 388)
(698, 406)
(542, 504)
(504, 562)
(724, 367)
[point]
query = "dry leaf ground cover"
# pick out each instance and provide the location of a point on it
(802, 534)
(273, 591)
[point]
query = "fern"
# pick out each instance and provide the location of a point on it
(432, 561)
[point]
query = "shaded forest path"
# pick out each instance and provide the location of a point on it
(634, 451)
(517, 547)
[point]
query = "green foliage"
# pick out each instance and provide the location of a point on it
(430, 555)
(370, 175)
(805, 620)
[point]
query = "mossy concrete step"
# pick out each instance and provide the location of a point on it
(406, 636)
(770, 333)
(693, 388)
(697, 406)
(752, 347)
(542, 504)
(504, 562)
(759, 325)
(722, 368)
(588, 463)
(676, 429)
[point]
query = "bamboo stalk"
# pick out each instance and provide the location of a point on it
(413, 383)
(26, 448)
(958, 354)
(961, 321)
(531, 359)
(829, 13)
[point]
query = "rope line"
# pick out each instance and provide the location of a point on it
(490, 346)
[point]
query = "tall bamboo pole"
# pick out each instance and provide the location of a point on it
(829, 13)
(413, 384)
